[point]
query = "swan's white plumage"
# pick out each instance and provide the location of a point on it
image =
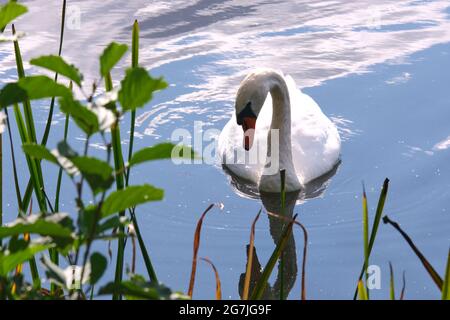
(315, 139)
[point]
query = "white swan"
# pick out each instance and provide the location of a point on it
(309, 143)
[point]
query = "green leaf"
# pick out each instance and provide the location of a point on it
(9, 261)
(39, 87)
(113, 222)
(121, 200)
(32, 88)
(85, 119)
(110, 56)
(60, 66)
(55, 225)
(98, 173)
(98, 267)
(66, 150)
(9, 12)
(92, 166)
(12, 93)
(137, 88)
(162, 151)
(39, 152)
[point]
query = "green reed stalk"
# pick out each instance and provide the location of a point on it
(22, 132)
(28, 132)
(29, 189)
(60, 172)
(1, 182)
(283, 212)
(365, 233)
(134, 64)
(52, 103)
(260, 287)
(376, 223)
(391, 282)
(446, 284)
(13, 160)
(120, 184)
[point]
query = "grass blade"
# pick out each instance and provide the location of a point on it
(216, 274)
(262, 283)
(30, 133)
(376, 223)
(250, 258)
(362, 292)
(391, 282)
(365, 231)
(402, 293)
(305, 250)
(305, 247)
(431, 271)
(446, 285)
(13, 160)
(197, 234)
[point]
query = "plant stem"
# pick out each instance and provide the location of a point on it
(120, 184)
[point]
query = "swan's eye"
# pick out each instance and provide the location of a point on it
(247, 112)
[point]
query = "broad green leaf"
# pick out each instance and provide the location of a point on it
(113, 222)
(121, 200)
(86, 217)
(12, 93)
(98, 173)
(55, 225)
(161, 151)
(85, 119)
(66, 150)
(9, 12)
(39, 87)
(9, 261)
(110, 56)
(98, 267)
(137, 88)
(32, 88)
(60, 66)
(39, 152)
(92, 166)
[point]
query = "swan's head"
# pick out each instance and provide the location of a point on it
(249, 101)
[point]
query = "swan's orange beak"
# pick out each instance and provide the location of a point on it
(248, 124)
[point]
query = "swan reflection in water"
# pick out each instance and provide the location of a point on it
(287, 266)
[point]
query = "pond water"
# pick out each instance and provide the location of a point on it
(377, 69)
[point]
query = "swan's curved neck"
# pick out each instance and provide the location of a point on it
(281, 115)
(281, 122)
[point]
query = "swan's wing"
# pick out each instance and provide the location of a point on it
(315, 140)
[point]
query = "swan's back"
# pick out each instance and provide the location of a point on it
(315, 139)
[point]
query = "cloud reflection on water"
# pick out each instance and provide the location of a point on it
(314, 41)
